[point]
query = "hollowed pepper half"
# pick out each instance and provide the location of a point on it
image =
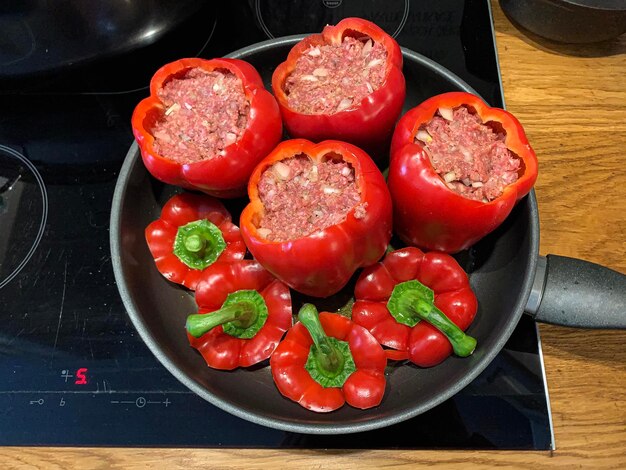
(427, 213)
(368, 123)
(321, 263)
(225, 174)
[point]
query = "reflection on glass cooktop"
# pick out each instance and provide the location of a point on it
(74, 371)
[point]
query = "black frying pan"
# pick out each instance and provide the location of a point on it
(502, 270)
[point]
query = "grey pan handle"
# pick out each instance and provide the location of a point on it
(577, 293)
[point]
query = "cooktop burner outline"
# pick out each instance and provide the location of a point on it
(331, 6)
(8, 186)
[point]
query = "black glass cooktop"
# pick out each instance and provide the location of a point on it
(73, 371)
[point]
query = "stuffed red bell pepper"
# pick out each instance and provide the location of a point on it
(317, 213)
(418, 304)
(326, 360)
(345, 83)
(193, 232)
(457, 169)
(206, 124)
(243, 313)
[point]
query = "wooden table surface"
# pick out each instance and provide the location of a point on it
(572, 103)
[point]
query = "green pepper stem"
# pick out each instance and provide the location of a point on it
(327, 355)
(411, 301)
(199, 244)
(462, 344)
(240, 313)
(194, 243)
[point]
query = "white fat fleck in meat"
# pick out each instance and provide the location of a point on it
(469, 155)
(205, 112)
(334, 77)
(360, 211)
(301, 197)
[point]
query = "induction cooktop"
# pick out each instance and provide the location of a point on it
(73, 370)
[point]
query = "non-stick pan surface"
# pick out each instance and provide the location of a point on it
(501, 269)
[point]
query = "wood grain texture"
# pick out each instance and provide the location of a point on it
(572, 102)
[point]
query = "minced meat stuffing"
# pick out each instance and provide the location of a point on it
(470, 157)
(205, 112)
(334, 77)
(301, 197)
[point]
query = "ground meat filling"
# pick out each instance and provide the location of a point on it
(205, 112)
(301, 197)
(334, 77)
(468, 155)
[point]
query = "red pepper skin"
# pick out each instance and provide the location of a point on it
(363, 389)
(178, 211)
(223, 175)
(222, 351)
(322, 263)
(370, 124)
(426, 212)
(423, 344)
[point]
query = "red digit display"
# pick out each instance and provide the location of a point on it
(81, 378)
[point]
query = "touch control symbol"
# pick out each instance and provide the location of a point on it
(66, 374)
(141, 402)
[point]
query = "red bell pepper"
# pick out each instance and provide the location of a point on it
(243, 313)
(226, 174)
(327, 360)
(321, 263)
(418, 304)
(427, 213)
(369, 124)
(193, 232)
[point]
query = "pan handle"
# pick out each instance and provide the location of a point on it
(577, 293)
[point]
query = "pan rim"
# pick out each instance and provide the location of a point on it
(133, 158)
